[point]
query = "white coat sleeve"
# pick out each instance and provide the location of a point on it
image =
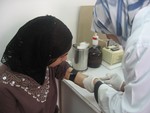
(109, 100)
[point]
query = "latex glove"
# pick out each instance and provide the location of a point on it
(113, 79)
(88, 83)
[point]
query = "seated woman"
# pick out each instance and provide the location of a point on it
(32, 60)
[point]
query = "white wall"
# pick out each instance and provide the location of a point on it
(14, 13)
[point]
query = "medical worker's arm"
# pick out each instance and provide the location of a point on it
(102, 96)
(114, 80)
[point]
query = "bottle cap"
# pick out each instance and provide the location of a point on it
(95, 39)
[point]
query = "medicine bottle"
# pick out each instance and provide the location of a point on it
(95, 53)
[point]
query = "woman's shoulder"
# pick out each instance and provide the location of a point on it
(3, 68)
(3, 86)
(11, 78)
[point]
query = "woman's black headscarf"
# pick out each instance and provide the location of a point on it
(35, 45)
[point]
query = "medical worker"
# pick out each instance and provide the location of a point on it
(129, 21)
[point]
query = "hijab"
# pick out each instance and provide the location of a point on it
(116, 16)
(36, 45)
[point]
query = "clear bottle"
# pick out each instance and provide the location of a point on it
(95, 53)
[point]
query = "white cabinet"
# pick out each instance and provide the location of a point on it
(72, 102)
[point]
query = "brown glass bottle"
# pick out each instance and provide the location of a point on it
(95, 54)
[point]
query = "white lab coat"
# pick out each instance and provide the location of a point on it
(136, 69)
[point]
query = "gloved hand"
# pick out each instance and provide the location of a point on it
(88, 83)
(113, 79)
